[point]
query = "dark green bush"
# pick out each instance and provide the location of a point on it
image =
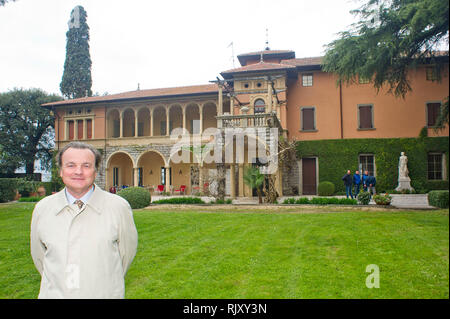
(326, 188)
(180, 200)
(364, 198)
(31, 199)
(438, 198)
(321, 201)
(8, 187)
(347, 201)
(302, 200)
(381, 199)
(137, 197)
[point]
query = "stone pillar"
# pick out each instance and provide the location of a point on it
(241, 180)
(75, 129)
(135, 124)
(135, 176)
(200, 178)
(167, 121)
(231, 105)
(66, 130)
(167, 178)
(121, 125)
(232, 181)
(84, 129)
(269, 97)
(200, 109)
(93, 128)
(220, 106)
(184, 116)
(151, 122)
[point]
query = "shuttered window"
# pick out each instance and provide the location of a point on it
(307, 119)
(433, 110)
(71, 130)
(89, 129)
(365, 116)
(435, 166)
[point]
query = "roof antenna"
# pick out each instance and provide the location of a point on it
(138, 87)
(232, 51)
(267, 39)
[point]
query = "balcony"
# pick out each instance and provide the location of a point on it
(249, 120)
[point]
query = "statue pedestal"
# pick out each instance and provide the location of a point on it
(404, 183)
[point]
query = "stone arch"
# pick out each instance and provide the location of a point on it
(120, 166)
(151, 163)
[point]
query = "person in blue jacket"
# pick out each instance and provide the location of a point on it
(357, 182)
(371, 181)
(364, 179)
(348, 183)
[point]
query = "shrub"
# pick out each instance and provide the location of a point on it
(302, 200)
(381, 199)
(438, 198)
(137, 197)
(180, 200)
(31, 199)
(347, 201)
(326, 188)
(8, 188)
(289, 201)
(364, 198)
(25, 187)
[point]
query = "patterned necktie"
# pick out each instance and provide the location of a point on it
(79, 203)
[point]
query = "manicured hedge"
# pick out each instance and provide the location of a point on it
(137, 197)
(8, 187)
(31, 199)
(337, 156)
(438, 198)
(180, 200)
(321, 201)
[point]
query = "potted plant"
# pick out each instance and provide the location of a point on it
(382, 199)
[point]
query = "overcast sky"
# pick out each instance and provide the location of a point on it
(157, 44)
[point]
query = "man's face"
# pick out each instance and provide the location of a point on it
(357, 172)
(78, 170)
(367, 172)
(348, 172)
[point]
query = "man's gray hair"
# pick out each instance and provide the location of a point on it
(81, 146)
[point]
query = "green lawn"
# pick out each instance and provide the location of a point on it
(284, 253)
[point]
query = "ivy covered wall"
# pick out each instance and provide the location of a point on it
(335, 157)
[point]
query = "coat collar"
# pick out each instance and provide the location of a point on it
(95, 201)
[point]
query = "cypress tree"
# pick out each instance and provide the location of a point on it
(76, 80)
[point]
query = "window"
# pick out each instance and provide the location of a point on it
(163, 176)
(365, 116)
(115, 176)
(80, 129)
(260, 106)
(246, 85)
(367, 163)
(71, 130)
(89, 129)
(307, 79)
(433, 110)
(140, 177)
(259, 84)
(116, 128)
(435, 166)
(163, 127)
(431, 73)
(308, 119)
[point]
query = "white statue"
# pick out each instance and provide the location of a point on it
(403, 165)
(404, 182)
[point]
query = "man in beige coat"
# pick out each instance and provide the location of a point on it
(83, 239)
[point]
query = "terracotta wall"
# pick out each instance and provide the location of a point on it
(392, 117)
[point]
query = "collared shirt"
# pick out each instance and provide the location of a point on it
(71, 199)
(83, 253)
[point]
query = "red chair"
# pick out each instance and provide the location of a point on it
(160, 189)
(182, 189)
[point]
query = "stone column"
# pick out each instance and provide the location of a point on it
(151, 122)
(135, 124)
(66, 130)
(241, 180)
(75, 129)
(220, 106)
(183, 108)
(135, 176)
(200, 109)
(167, 178)
(231, 105)
(269, 97)
(167, 121)
(121, 124)
(84, 129)
(232, 181)
(93, 128)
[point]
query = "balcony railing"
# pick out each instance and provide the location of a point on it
(249, 120)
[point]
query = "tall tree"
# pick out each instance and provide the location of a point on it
(76, 80)
(2, 2)
(26, 128)
(391, 37)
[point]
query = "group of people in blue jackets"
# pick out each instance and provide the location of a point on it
(367, 181)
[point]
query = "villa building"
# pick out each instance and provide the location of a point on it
(272, 89)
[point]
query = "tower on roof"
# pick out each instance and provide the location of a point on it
(267, 40)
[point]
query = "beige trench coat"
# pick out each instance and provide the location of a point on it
(83, 253)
